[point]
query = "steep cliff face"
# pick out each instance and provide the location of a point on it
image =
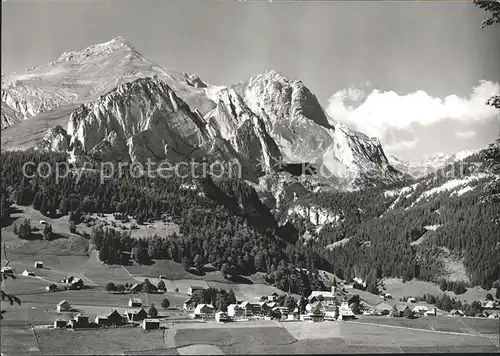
(292, 115)
(55, 140)
(9, 116)
(304, 133)
(129, 108)
(143, 117)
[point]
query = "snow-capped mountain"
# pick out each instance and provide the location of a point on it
(428, 165)
(127, 107)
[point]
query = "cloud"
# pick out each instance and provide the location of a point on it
(465, 134)
(379, 112)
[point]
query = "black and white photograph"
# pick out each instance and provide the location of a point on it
(234, 177)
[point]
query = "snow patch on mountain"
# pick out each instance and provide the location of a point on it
(316, 215)
(428, 165)
(452, 185)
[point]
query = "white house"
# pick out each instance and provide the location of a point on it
(411, 300)
(193, 289)
(28, 273)
(134, 302)
(327, 297)
(490, 304)
(315, 305)
(221, 317)
(236, 311)
(7, 269)
(63, 306)
(432, 312)
(345, 312)
(204, 311)
(150, 324)
(38, 264)
(316, 314)
(273, 297)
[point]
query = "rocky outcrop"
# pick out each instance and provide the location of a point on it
(55, 140)
(9, 116)
(143, 117)
(130, 108)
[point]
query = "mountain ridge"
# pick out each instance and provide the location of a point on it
(267, 107)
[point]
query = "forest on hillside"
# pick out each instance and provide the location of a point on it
(224, 223)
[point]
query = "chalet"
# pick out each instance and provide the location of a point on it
(7, 270)
(150, 324)
(76, 284)
(273, 297)
(136, 315)
(51, 288)
(315, 305)
(188, 305)
(331, 311)
(316, 314)
(134, 303)
(38, 264)
(63, 306)
(283, 310)
(345, 312)
(101, 320)
(383, 308)
(326, 297)
(204, 311)
(420, 309)
(489, 304)
(221, 317)
(28, 273)
(79, 321)
(457, 312)
(265, 307)
(252, 308)
(235, 311)
(388, 296)
(353, 299)
(193, 289)
(114, 318)
(271, 305)
(401, 309)
(59, 324)
(411, 300)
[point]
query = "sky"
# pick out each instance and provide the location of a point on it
(414, 74)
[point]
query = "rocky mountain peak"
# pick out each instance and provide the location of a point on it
(100, 49)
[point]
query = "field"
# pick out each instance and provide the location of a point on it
(475, 326)
(70, 255)
(108, 341)
(398, 289)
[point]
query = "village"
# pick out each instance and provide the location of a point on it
(319, 306)
(57, 306)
